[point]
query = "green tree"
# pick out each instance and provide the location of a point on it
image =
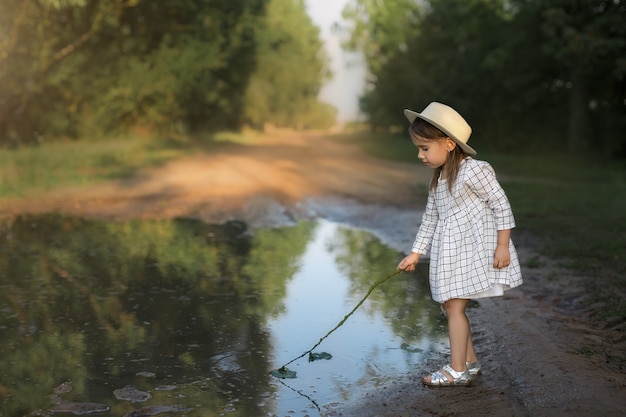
(452, 54)
(539, 73)
(93, 66)
(32, 49)
(84, 68)
(291, 68)
(379, 29)
(587, 43)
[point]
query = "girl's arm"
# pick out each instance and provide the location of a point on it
(502, 256)
(426, 231)
(482, 181)
(424, 236)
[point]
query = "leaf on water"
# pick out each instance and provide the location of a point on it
(318, 356)
(283, 372)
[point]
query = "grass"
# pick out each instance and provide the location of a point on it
(383, 145)
(27, 171)
(576, 205)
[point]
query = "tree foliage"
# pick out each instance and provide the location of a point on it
(587, 40)
(291, 67)
(379, 29)
(540, 73)
(82, 68)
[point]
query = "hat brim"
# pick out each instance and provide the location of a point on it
(411, 116)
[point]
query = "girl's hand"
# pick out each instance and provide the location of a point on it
(409, 262)
(502, 257)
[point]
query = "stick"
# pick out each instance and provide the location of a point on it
(374, 285)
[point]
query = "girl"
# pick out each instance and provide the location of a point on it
(467, 227)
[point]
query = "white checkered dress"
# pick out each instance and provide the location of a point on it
(460, 230)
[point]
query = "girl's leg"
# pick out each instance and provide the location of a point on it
(471, 353)
(470, 356)
(459, 329)
(461, 346)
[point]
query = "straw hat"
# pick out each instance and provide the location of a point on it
(448, 121)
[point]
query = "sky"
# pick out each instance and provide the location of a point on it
(344, 89)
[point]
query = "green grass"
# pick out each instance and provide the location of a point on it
(29, 170)
(383, 145)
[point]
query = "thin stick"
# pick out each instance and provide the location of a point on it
(374, 285)
(299, 392)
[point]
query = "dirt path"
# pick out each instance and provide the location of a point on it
(540, 356)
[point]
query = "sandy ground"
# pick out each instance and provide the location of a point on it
(541, 354)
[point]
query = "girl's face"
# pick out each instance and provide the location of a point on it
(434, 152)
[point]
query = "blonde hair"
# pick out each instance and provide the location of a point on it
(422, 131)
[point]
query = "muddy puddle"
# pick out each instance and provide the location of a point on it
(182, 318)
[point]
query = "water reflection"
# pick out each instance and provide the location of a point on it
(197, 315)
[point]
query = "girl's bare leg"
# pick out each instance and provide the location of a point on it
(470, 356)
(459, 330)
(461, 346)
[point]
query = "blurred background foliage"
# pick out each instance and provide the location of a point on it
(88, 68)
(527, 74)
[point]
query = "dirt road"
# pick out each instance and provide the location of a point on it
(540, 356)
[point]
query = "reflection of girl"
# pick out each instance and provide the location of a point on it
(467, 226)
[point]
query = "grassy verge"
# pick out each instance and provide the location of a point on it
(576, 205)
(30, 170)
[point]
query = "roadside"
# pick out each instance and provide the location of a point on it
(541, 355)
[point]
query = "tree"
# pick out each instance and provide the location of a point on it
(31, 49)
(452, 54)
(379, 29)
(520, 71)
(84, 68)
(587, 43)
(291, 66)
(179, 67)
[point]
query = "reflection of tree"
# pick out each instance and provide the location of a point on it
(275, 257)
(405, 300)
(87, 301)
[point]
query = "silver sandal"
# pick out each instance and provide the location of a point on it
(439, 379)
(473, 367)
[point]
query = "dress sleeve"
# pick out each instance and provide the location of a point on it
(425, 234)
(481, 180)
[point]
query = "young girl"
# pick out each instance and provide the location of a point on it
(467, 227)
